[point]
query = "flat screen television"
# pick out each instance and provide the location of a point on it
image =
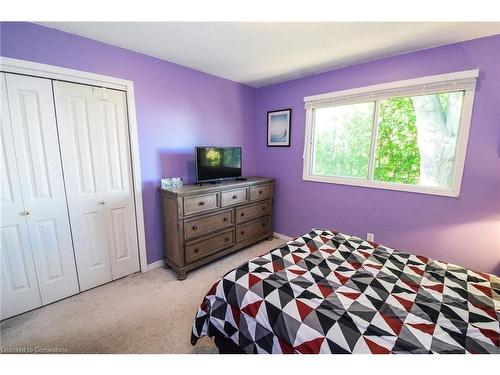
(217, 163)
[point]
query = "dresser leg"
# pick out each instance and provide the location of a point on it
(181, 276)
(166, 266)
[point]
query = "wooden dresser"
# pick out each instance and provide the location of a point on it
(203, 223)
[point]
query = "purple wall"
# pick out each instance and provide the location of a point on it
(179, 107)
(464, 230)
(176, 107)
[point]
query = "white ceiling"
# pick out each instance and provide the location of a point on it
(260, 53)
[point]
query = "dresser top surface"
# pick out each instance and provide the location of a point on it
(208, 187)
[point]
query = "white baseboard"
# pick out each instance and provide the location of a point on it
(282, 236)
(157, 264)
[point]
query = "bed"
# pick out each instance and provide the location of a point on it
(328, 292)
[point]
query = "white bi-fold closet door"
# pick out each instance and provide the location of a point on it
(93, 131)
(38, 265)
(67, 206)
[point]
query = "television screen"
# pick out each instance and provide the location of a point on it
(216, 163)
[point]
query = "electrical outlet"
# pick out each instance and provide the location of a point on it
(370, 237)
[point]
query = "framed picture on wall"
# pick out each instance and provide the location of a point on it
(278, 128)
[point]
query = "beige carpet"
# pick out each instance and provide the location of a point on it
(143, 313)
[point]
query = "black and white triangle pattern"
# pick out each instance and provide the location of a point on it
(328, 292)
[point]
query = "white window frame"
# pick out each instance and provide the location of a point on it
(458, 81)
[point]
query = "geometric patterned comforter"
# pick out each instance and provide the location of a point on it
(328, 292)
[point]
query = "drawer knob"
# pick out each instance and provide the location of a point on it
(264, 208)
(195, 227)
(226, 239)
(201, 203)
(235, 196)
(260, 191)
(242, 214)
(242, 232)
(264, 224)
(225, 219)
(196, 250)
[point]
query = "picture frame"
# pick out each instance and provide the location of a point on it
(278, 127)
(171, 183)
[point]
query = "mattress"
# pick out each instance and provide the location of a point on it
(329, 292)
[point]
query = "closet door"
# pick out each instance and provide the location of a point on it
(36, 143)
(19, 284)
(93, 130)
(111, 111)
(82, 148)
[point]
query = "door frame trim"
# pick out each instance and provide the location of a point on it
(30, 68)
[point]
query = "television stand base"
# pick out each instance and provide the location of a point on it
(240, 179)
(209, 182)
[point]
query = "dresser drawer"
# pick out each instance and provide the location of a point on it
(236, 196)
(252, 211)
(209, 245)
(200, 203)
(252, 228)
(261, 191)
(200, 226)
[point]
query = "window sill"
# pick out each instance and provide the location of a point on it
(446, 192)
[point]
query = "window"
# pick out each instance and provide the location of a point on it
(408, 135)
